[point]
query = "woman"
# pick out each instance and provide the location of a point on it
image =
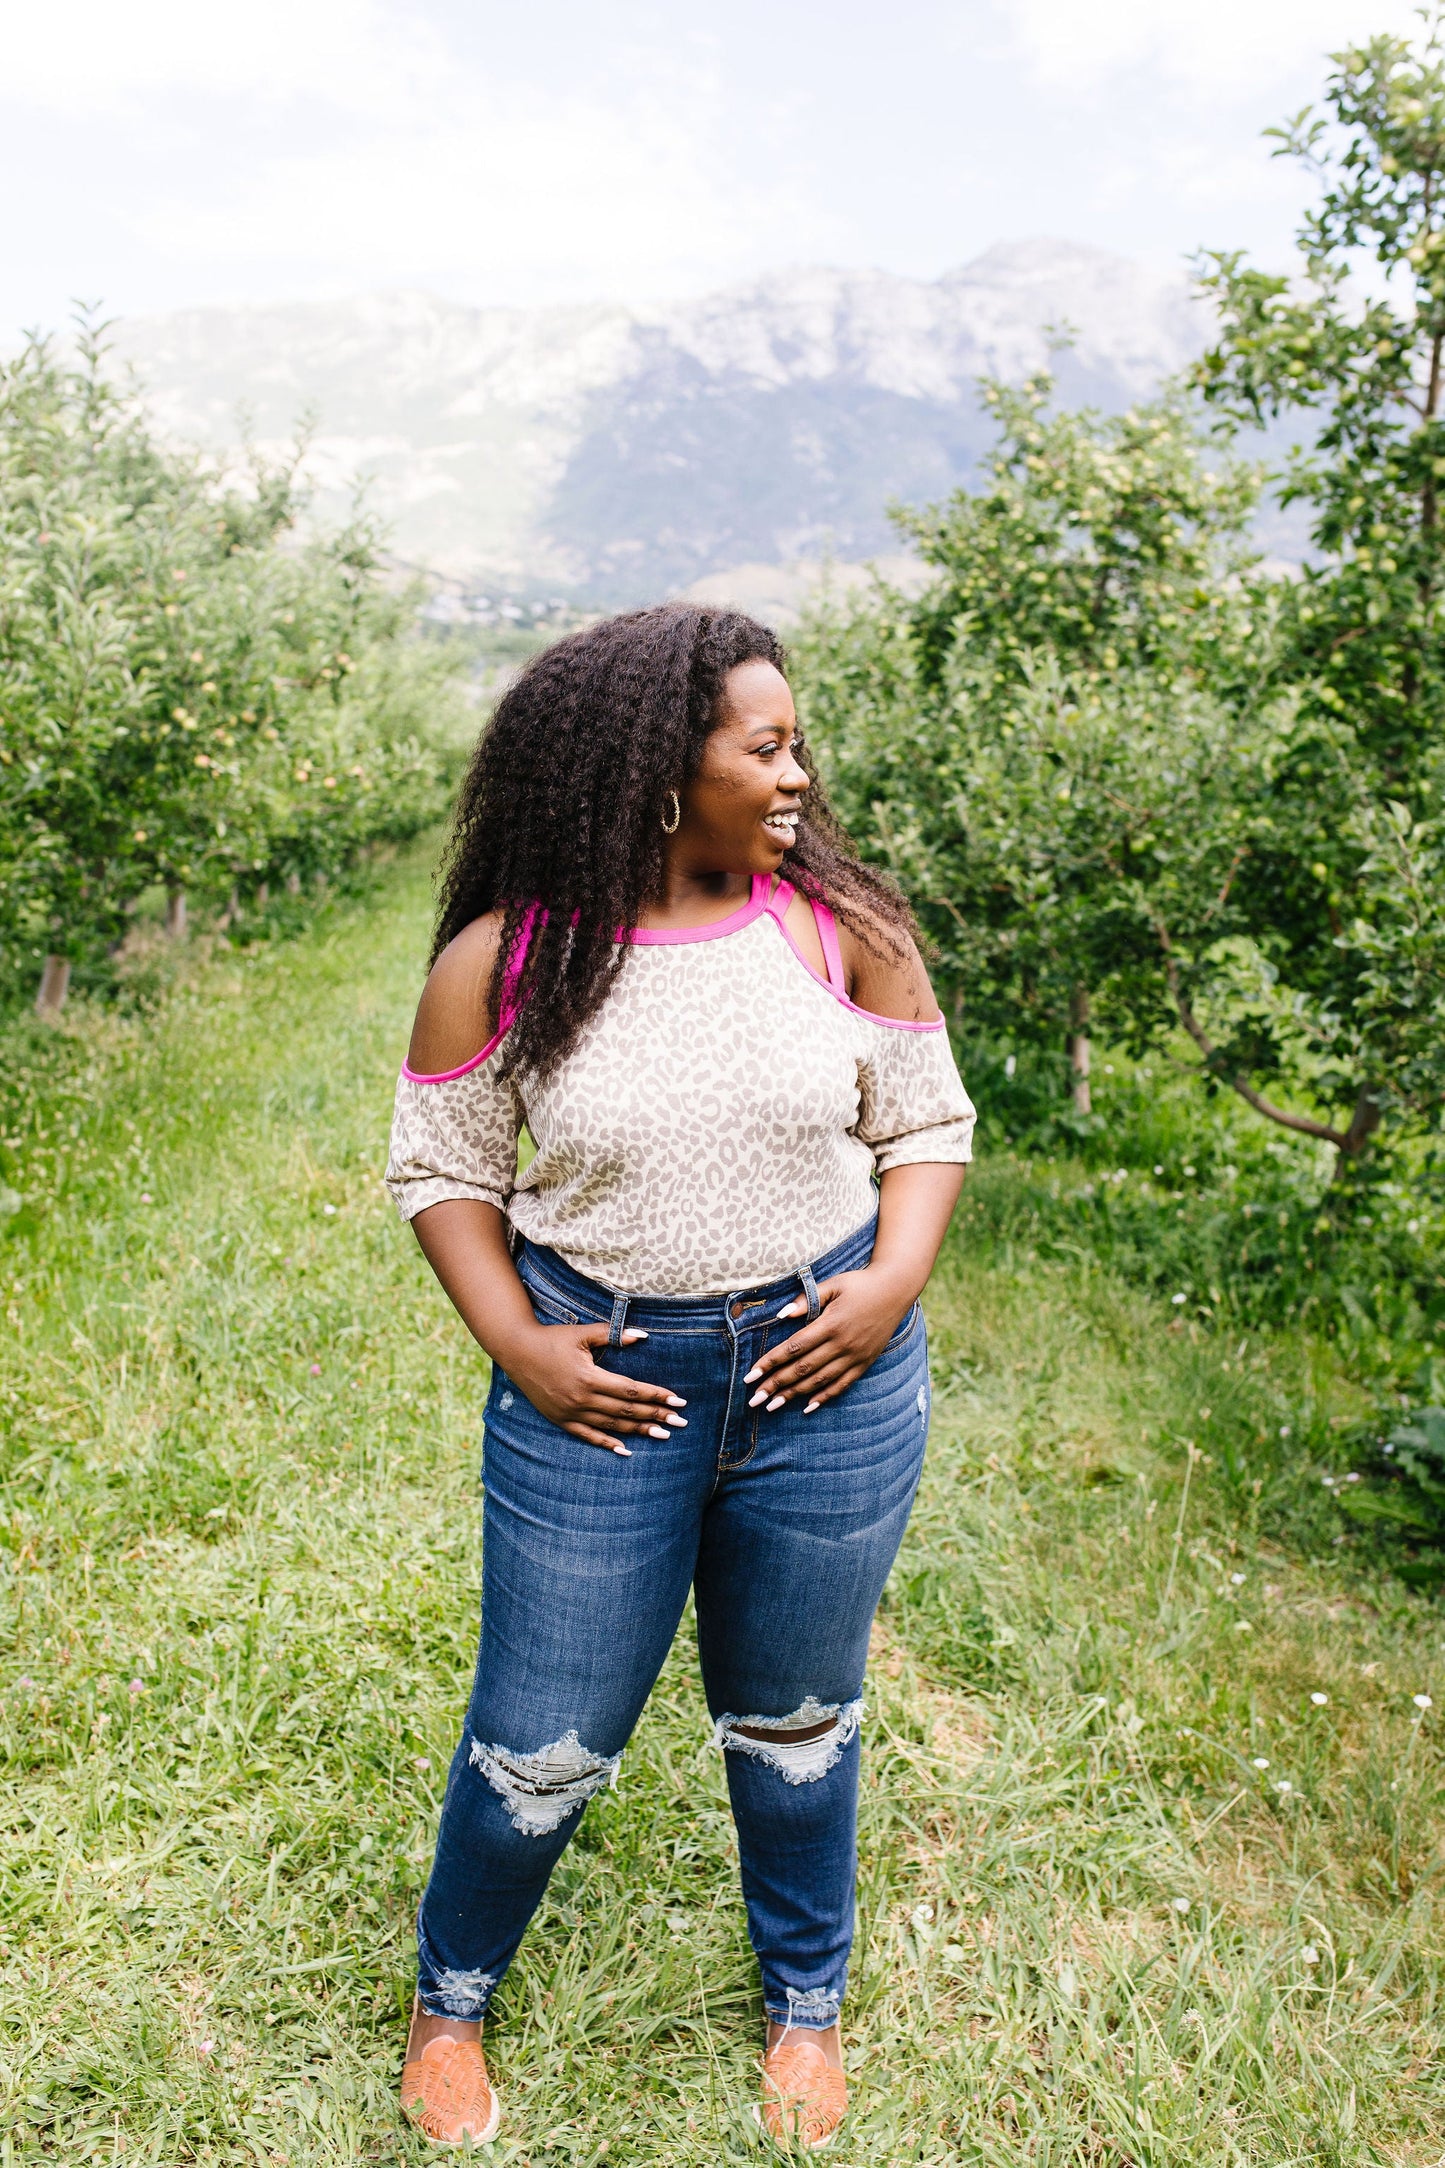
(715, 1070)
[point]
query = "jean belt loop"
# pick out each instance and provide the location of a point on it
(619, 1319)
(810, 1289)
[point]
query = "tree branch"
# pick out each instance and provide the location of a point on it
(1301, 1123)
(1223, 897)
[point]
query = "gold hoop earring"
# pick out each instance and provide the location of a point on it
(669, 827)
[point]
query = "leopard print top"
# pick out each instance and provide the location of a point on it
(719, 1122)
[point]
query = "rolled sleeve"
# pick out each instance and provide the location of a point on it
(453, 1138)
(913, 1108)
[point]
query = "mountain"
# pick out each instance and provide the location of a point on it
(618, 453)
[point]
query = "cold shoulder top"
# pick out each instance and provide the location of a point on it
(719, 1122)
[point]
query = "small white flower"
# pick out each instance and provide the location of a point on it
(1284, 1430)
(1309, 1955)
(1261, 1761)
(1237, 1579)
(329, 1210)
(1181, 1904)
(1320, 1700)
(1242, 1626)
(1284, 1786)
(1176, 1299)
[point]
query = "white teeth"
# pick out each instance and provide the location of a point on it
(789, 821)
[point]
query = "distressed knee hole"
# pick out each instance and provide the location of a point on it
(801, 1747)
(540, 1790)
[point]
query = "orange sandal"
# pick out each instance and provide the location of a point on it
(804, 2097)
(447, 2095)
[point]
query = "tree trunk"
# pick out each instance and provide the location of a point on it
(231, 913)
(1364, 1122)
(293, 884)
(263, 895)
(1080, 1049)
(54, 986)
(176, 914)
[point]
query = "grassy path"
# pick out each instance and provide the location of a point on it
(240, 1434)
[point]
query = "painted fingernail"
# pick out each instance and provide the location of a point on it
(655, 1430)
(811, 1405)
(754, 1374)
(758, 1397)
(779, 1400)
(674, 1402)
(678, 1422)
(624, 1450)
(790, 1309)
(634, 1332)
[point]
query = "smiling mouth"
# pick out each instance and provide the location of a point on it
(782, 826)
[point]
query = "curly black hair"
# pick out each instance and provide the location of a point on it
(562, 806)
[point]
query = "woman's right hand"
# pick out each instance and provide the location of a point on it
(465, 1242)
(555, 1367)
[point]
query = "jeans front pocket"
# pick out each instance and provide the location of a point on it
(910, 1320)
(548, 1306)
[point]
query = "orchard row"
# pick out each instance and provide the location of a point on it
(193, 699)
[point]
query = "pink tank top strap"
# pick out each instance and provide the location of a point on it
(516, 965)
(827, 927)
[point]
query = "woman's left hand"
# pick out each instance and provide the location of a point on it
(860, 1313)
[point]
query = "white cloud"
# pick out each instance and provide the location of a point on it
(195, 151)
(94, 56)
(1200, 46)
(496, 177)
(355, 142)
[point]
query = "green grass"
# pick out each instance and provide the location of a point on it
(241, 1433)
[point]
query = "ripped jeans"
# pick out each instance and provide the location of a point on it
(785, 1526)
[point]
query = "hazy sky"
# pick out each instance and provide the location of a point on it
(155, 153)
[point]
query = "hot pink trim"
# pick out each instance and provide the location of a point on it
(780, 900)
(764, 899)
(827, 927)
(516, 964)
(714, 930)
(445, 1076)
(507, 1007)
(894, 1023)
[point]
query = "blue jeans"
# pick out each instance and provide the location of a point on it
(785, 1526)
